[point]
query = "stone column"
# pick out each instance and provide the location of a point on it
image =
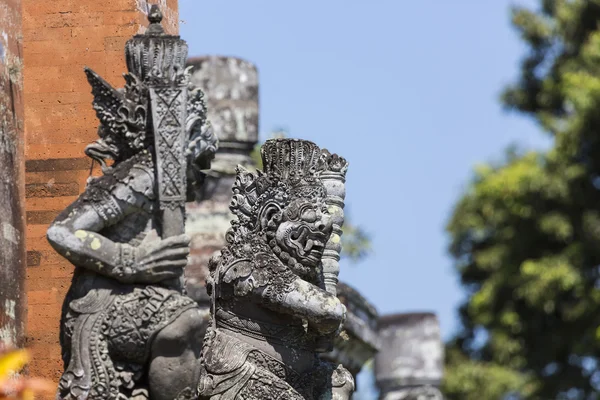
(60, 37)
(230, 86)
(12, 183)
(410, 365)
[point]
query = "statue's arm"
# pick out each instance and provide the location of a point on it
(74, 235)
(283, 291)
(324, 312)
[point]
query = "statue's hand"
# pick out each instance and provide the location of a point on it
(333, 324)
(157, 260)
(342, 320)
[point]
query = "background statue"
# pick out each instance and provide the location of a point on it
(270, 308)
(127, 329)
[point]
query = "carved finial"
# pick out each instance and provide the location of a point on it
(155, 55)
(155, 17)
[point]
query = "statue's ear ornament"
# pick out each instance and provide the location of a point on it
(270, 215)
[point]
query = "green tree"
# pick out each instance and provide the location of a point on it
(525, 236)
(356, 242)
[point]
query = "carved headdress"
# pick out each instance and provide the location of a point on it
(291, 170)
(153, 59)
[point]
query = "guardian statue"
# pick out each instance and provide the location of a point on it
(271, 311)
(127, 330)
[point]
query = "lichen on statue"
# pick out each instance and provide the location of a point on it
(127, 329)
(270, 307)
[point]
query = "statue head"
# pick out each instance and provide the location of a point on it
(125, 127)
(285, 204)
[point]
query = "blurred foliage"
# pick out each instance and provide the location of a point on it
(13, 386)
(525, 236)
(356, 242)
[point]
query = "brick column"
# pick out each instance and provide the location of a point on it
(12, 226)
(60, 37)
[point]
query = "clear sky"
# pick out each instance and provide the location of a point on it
(407, 91)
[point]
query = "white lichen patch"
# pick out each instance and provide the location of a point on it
(9, 307)
(10, 233)
(95, 245)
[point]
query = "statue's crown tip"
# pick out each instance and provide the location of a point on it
(155, 15)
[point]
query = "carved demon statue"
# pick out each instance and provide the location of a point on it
(270, 308)
(127, 329)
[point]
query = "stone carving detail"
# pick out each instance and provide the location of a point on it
(334, 179)
(127, 329)
(270, 308)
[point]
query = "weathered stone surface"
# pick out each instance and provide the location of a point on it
(411, 367)
(12, 223)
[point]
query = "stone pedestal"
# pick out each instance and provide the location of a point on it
(410, 367)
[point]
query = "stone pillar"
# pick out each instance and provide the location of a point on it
(410, 365)
(60, 37)
(12, 183)
(230, 86)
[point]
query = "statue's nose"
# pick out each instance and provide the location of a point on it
(325, 223)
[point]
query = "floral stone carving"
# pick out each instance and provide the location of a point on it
(270, 307)
(127, 330)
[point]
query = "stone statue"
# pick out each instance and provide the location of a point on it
(128, 331)
(270, 307)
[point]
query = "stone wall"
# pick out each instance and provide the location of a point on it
(60, 37)
(12, 226)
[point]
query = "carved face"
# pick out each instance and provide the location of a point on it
(196, 176)
(200, 153)
(304, 229)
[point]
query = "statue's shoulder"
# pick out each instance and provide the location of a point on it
(135, 175)
(249, 266)
(131, 183)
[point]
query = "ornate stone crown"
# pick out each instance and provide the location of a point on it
(154, 54)
(154, 59)
(291, 170)
(292, 161)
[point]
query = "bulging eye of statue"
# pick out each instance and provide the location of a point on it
(308, 214)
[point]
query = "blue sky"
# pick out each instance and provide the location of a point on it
(407, 91)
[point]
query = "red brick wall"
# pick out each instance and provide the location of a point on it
(60, 37)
